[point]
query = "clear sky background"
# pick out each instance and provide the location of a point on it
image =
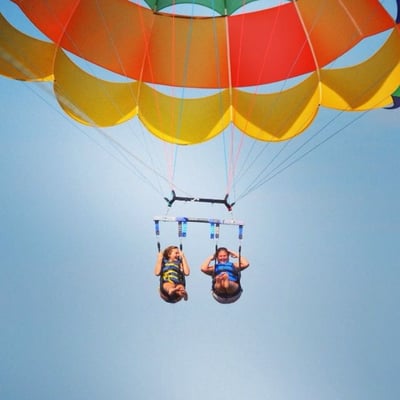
(79, 309)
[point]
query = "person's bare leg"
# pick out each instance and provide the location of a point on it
(225, 280)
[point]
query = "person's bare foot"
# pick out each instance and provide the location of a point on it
(225, 280)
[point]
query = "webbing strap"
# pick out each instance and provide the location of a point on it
(182, 231)
(240, 232)
(214, 230)
(157, 230)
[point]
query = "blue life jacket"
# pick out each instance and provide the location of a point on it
(233, 275)
(229, 268)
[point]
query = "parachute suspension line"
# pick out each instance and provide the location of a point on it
(247, 164)
(117, 55)
(291, 160)
(127, 155)
(117, 146)
(275, 105)
(259, 176)
(170, 150)
(252, 104)
(185, 70)
(229, 168)
(281, 167)
(235, 159)
(353, 20)
(307, 35)
(150, 151)
(272, 108)
(235, 155)
(226, 158)
(170, 153)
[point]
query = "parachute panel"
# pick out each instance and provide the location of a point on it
(263, 51)
(192, 51)
(187, 52)
(367, 85)
(222, 7)
(23, 57)
(236, 53)
(90, 100)
(113, 34)
(356, 20)
(184, 121)
(277, 116)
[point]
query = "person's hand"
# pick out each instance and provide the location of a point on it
(233, 254)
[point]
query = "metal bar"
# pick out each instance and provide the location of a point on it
(201, 220)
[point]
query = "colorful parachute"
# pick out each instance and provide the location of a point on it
(217, 67)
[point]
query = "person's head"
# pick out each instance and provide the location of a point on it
(222, 255)
(171, 253)
(226, 300)
(174, 297)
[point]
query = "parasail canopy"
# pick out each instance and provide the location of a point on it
(188, 77)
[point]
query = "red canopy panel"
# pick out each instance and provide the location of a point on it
(240, 50)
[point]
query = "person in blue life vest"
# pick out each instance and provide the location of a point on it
(226, 287)
(172, 267)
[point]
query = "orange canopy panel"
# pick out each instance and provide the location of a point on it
(235, 50)
(235, 55)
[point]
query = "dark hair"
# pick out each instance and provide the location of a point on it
(169, 298)
(167, 251)
(221, 249)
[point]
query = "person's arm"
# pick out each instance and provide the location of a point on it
(206, 267)
(244, 263)
(185, 265)
(158, 266)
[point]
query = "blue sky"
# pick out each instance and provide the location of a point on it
(80, 313)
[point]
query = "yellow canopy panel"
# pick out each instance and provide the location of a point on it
(23, 57)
